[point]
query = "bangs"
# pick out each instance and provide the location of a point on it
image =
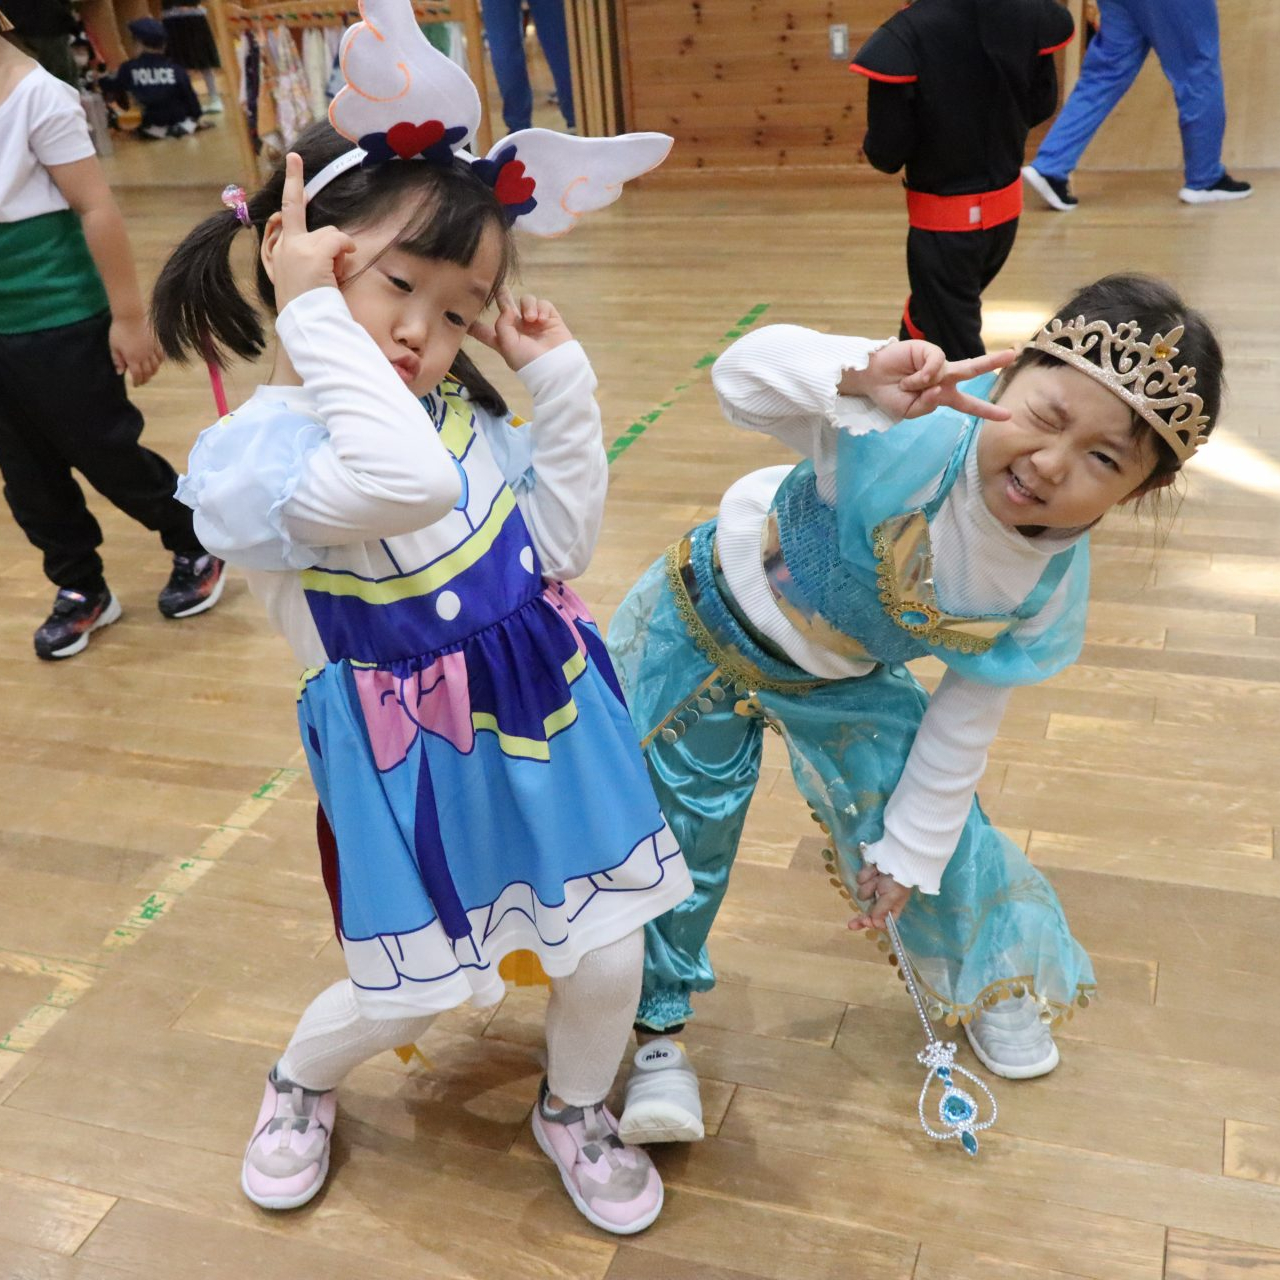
(450, 221)
(442, 230)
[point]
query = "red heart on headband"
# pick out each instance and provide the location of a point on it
(512, 187)
(409, 140)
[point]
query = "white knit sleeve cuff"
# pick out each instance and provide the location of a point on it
(858, 415)
(910, 869)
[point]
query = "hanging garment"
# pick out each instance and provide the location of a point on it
(316, 63)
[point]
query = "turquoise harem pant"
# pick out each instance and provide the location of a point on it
(994, 929)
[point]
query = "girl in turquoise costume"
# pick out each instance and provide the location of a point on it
(940, 509)
(481, 789)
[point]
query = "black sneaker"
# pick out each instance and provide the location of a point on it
(1055, 192)
(65, 632)
(1226, 188)
(194, 585)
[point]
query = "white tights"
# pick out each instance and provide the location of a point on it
(589, 1018)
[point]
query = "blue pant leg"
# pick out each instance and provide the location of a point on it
(553, 35)
(503, 24)
(704, 782)
(1111, 64)
(1184, 34)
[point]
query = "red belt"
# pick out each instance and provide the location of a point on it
(965, 213)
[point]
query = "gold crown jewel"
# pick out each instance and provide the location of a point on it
(1140, 373)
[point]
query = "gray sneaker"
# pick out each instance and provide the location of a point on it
(1010, 1040)
(663, 1103)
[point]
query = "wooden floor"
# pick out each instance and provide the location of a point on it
(164, 921)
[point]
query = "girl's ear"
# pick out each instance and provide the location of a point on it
(270, 238)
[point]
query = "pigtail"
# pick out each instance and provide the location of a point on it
(476, 385)
(197, 307)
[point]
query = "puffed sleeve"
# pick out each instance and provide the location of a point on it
(783, 380)
(241, 473)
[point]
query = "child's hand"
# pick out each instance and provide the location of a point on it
(522, 333)
(886, 895)
(910, 379)
(299, 260)
(134, 348)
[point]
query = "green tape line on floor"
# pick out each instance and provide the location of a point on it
(645, 421)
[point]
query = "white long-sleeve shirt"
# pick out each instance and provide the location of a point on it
(364, 482)
(782, 380)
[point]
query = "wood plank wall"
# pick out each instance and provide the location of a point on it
(750, 85)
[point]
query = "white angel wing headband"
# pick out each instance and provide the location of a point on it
(403, 99)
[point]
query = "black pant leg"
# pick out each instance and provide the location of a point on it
(47, 503)
(87, 416)
(948, 271)
(998, 243)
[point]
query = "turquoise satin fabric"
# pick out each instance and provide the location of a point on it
(996, 925)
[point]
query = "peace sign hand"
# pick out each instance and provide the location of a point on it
(910, 379)
(296, 259)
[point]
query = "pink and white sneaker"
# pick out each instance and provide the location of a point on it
(288, 1156)
(615, 1187)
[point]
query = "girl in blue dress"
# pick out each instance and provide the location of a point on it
(940, 510)
(480, 786)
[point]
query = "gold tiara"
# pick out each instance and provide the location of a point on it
(1140, 373)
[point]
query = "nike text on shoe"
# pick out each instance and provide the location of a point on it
(662, 1099)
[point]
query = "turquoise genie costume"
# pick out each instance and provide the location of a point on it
(857, 577)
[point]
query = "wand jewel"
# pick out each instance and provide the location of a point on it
(958, 1111)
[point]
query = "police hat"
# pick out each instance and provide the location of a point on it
(148, 31)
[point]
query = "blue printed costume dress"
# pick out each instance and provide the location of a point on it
(857, 575)
(468, 740)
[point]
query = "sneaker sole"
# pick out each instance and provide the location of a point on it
(109, 615)
(1029, 1072)
(645, 1124)
(286, 1202)
(1189, 195)
(548, 1150)
(1035, 180)
(207, 603)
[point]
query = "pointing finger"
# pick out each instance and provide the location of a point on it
(959, 370)
(293, 203)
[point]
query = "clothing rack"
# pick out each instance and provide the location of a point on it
(229, 17)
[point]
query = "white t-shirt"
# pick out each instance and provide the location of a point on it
(41, 124)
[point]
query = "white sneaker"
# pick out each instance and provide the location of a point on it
(662, 1099)
(1011, 1041)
